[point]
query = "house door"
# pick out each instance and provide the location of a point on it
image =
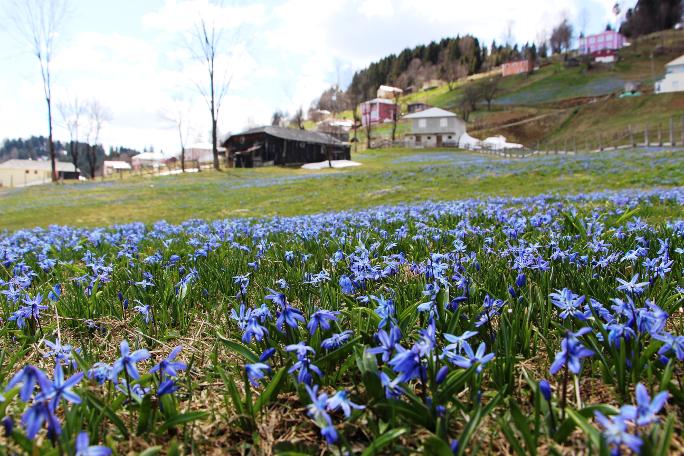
(439, 140)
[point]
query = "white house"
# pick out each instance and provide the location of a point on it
(388, 92)
(149, 160)
(674, 77)
(110, 167)
(202, 152)
(22, 173)
(434, 127)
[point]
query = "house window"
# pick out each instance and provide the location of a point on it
(429, 137)
(27, 171)
(444, 122)
(422, 123)
(417, 138)
(449, 137)
(35, 172)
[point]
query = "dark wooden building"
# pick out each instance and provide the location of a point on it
(266, 146)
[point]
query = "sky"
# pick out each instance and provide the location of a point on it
(134, 56)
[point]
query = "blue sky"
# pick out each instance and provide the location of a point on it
(131, 55)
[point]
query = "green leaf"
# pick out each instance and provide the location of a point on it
(145, 414)
(151, 451)
(182, 418)
(512, 438)
(569, 425)
(383, 440)
(583, 423)
(271, 390)
(434, 446)
(108, 412)
(663, 448)
(239, 348)
(522, 425)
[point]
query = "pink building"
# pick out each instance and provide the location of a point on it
(511, 68)
(609, 40)
(376, 111)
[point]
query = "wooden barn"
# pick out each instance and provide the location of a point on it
(267, 146)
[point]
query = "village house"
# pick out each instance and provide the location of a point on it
(434, 127)
(602, 46)
(337, 128)
(202, 153)
(378, 110)
(416, 107)
(389, 92)
(674, 77)
(517, 67)
(110, 167)
(22, 173)
(149, 160)
(267, 146)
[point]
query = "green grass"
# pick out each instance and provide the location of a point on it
(386, 177)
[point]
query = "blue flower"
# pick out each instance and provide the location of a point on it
(645, 411)
(60, 388)
(572, 352)
(387, 342)
(545, 389)
(168, 386)
(671, 344)
(289, 316)
(128, 360)
(83, 447)
(633, 287)
(169, 366)
(340, 400)
(34, 417)
(267, 354)
(144, 311)
(615, 432)
(346, 285)
(255, 372)
(254, 330)
(321, 318)
(471, 358)
(569, 303)
(29, 377)
(317, 411)
(406, 363)
(336, 340)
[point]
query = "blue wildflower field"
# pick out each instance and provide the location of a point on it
(545, 324)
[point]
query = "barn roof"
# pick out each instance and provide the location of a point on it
(678, 61)
(429, 113)
(293, 134)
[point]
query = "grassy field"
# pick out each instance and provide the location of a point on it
(385, 177)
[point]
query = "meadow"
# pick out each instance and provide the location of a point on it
(387, 176)
(431, 302)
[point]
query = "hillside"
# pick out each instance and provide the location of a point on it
(557, 103)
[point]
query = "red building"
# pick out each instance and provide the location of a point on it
(511, 68)
(378, 110)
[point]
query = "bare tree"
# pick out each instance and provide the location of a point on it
(368, 124)
(395, 115)
(71, 114)
(489, 89)
(97, 116)
(178, 116)
(278, 118)
(205, 43)
(561, 37)
(467, 103)
(38, 23)
(297, 120)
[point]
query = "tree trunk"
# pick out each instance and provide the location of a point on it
(51, 144)
(214, 146)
